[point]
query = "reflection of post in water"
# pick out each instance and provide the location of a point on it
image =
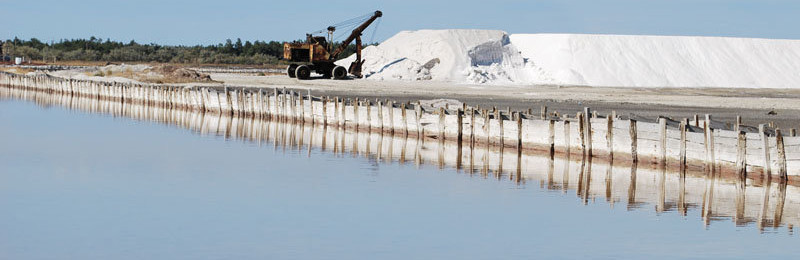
(472, 149)
(740, 201)
(379, 152)
(440, 151)
(500, 161)
(336, 133)
(417, 155)
(389, 154)
(550, 169)
(682, 193)
(609, 182)
(584, 177)
(662, 189)
(485, 169)
(403, 149)
(779, 206)
(632, 188)
(311, 139)
(588, 178)
(565, 177)
(324, 137)
(764, 207)
(708, 199)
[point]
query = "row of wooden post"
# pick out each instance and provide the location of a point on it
(290, 105)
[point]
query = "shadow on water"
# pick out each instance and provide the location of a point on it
(761, 204)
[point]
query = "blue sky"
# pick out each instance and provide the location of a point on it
(205, 22)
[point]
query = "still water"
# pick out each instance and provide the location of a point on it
(80, 185)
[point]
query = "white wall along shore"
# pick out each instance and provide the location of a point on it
(745, 152)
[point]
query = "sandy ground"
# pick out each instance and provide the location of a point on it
(643, 103)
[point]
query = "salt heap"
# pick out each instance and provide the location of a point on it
(494, 57)
(443, 55)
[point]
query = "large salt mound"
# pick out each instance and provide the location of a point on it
(445, 55)
(486, 56)
(661, 61)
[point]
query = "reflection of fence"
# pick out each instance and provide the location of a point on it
(764, 204)
(686, 143)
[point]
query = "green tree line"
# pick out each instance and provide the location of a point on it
(95, 49)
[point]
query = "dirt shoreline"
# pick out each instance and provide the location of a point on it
(753, 105)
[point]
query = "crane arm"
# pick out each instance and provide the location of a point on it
(356, 33)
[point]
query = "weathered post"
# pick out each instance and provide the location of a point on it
(588, 130)
(499, 117)
(662, 125)
(405, 119)
(551, 139)
(741, 155)
(683, 149)
(762, 131)
(460, 136)
(519, 131)
(441, 123)
(634, 141)
(610, 135)
(781, 155)
(543, 112)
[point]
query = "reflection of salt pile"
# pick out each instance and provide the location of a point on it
(485, 56)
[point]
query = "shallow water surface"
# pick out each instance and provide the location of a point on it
(77, 185)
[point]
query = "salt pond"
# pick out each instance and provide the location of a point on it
(78, 185)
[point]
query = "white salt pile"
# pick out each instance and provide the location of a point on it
(494, 57)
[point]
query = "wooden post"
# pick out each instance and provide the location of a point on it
(543, 112)
(581, 131)
(683, 149)
(741, 155)
(355, 113)
(634, 141)
(499, 117)
(588, 131)
(566, 139)
(762, 131)
(696, 120)
(405, 119)
(662, 125)
(519, 131)
(391, 116)
(418, 109)
(781, 155)
(486, 125)
(460, 136)
(737, 124)
(471, 127)
(380, 115)
(336, 115)
(369, 115)
(610, 135)
(441, 123)
(709, 139)
(552, 137)
(324, 111)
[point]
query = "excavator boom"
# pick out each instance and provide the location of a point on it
(356, 33)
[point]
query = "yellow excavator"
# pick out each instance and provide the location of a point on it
(317, 53)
